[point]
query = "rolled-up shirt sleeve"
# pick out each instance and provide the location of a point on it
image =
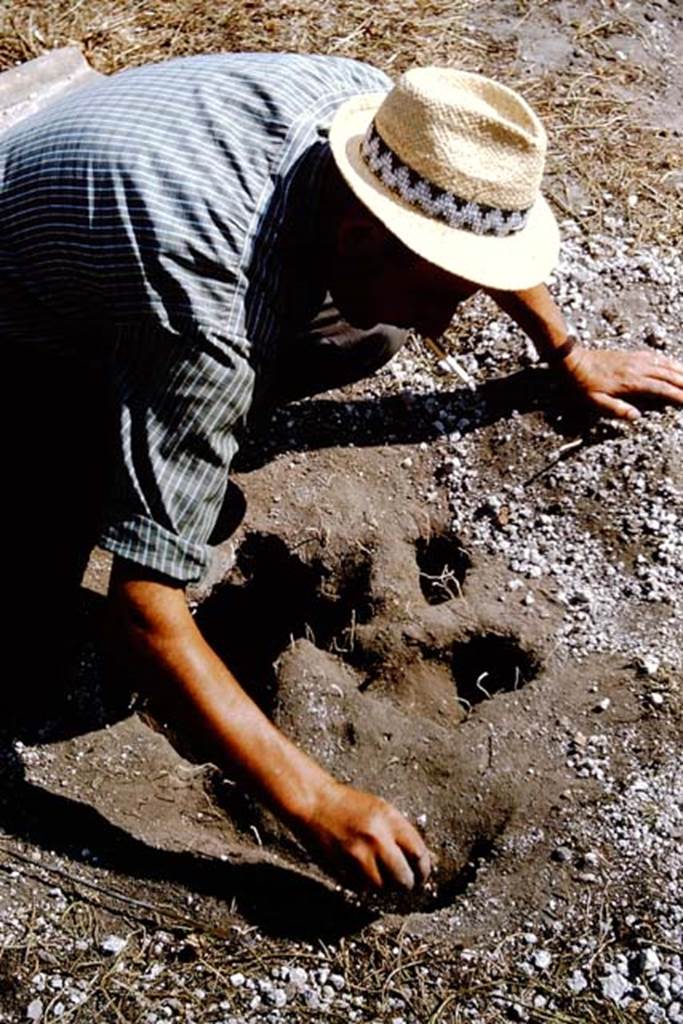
(176, 401)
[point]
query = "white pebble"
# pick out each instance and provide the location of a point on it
(112, 944)
(34, 1010)
(576, 982)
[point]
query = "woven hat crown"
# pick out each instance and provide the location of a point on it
(466, 134)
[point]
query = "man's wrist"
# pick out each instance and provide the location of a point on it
(556, 355)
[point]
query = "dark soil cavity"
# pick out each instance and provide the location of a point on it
(482, 852)
(282, 599)
(444, 564)
(488, 664)
(446, 891)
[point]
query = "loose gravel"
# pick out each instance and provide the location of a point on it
(545, 511)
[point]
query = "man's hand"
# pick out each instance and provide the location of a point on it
(369, 840)
(601, 377)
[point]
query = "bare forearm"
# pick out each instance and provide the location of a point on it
(154, 624)
(537, 314)
(604, 379)
(358, 832)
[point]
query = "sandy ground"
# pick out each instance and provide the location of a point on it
(467, 601)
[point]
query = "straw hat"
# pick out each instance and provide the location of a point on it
(451, 163)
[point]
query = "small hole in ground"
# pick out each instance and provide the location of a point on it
(447, 883)
(281, 599)
(489, 664)
(443, 565)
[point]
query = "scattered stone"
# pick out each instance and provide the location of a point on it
(614, 986)
(296, 977)
(655, 1013)
(277, 997)
(113, 944)
(34, 1011)
(561, 854)
(577, 982)
(646, 962)
(542, 959)
(311, 998)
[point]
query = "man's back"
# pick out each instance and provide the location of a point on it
(142, 223)
(144, 193)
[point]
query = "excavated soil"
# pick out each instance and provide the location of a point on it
(447, 602)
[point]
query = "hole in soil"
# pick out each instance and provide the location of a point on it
(489, 664)
(481, 853)
(443, 892)
(443, 564)
(282, 599)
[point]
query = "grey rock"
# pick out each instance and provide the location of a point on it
(614, 986)
(542, 959)
(297, 978)
(561, 854)
(311, 998)
(661, 986)
(112, 944)
(577, 982)
(34, 1011)
(655, 1013)
(277, 997)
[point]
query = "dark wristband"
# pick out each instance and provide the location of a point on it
(558, 355)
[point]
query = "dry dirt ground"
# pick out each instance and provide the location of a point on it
(467, 601)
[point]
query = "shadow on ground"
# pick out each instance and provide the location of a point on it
(397, 419)
(277, 900)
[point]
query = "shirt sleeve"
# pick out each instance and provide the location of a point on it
(176, 401)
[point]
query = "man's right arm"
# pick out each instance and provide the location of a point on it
(359, 834)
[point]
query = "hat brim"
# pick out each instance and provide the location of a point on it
(510, 263)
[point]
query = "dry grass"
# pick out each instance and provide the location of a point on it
(601, 142)
(116, 35)
(192, 966)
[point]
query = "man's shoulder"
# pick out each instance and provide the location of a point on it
(283, 81)
(322, 67)
(238, 97)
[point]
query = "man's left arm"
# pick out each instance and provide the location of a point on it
(604, 377)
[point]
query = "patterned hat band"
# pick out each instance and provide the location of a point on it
(433, 200)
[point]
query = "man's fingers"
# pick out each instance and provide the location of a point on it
(623, 410)
(418, 855)
(662, 388)
(421, 864)
(645, 368)
(372, 873)
(672, 365)
(667, 374)
(396, 866)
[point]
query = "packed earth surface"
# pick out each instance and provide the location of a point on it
(466, 600)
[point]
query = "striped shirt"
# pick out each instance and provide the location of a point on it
(164, 220)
